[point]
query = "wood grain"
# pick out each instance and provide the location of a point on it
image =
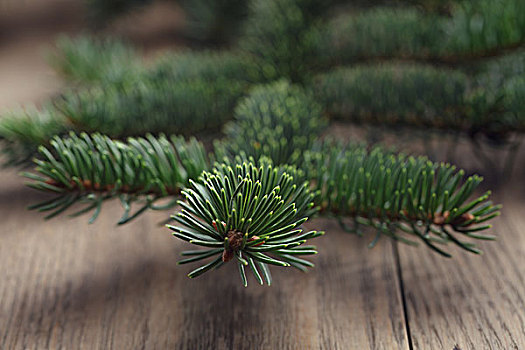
(68, 285)
(476, 302)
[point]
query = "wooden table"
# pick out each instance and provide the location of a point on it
(65, 284)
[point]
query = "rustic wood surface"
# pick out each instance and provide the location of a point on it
(475, 302)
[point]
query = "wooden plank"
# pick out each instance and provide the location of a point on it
(476, 302)
(66, 284)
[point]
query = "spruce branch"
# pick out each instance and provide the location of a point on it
(399, 195)
(87, 59)
(186, 93)
(247, 213)
(182, 93)
(252, 211)
(273, 173)
(423, 96)
(207, 65)
(277, 120)
(90, 59)
(23, 130)
(394, 194)
(281, 37)
(474, 30)
(152, 105)
(393, 93)
(91, 169)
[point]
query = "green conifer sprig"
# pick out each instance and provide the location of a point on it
(152, 105)
(90, 169)
(394, 94)
(475, 29)
(187, 92)
(87, 59)
(278, 120)
(391, 193)
(251, 211)
(423, 96)
(183, 93)
(247, 213)
(281, 36)
(379, 32)
(208, 65)
(399, 195)
(90, 59)
(23, 130)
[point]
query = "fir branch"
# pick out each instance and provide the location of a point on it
(399, 195)
(247, 213)
(90, 59)
(252, 211)
(394, 94)
(422, 96)
(186, 92)
(207, 65)
(152, 105)
(475, 29)
(391, 193)
(281, 36)
(87, 59)
(181, 91)
(277, 120)
(91, 169)
(498, 70)
(23, 130)
(378, 33)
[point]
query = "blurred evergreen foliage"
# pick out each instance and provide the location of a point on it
(274, 73)
(449, 65)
